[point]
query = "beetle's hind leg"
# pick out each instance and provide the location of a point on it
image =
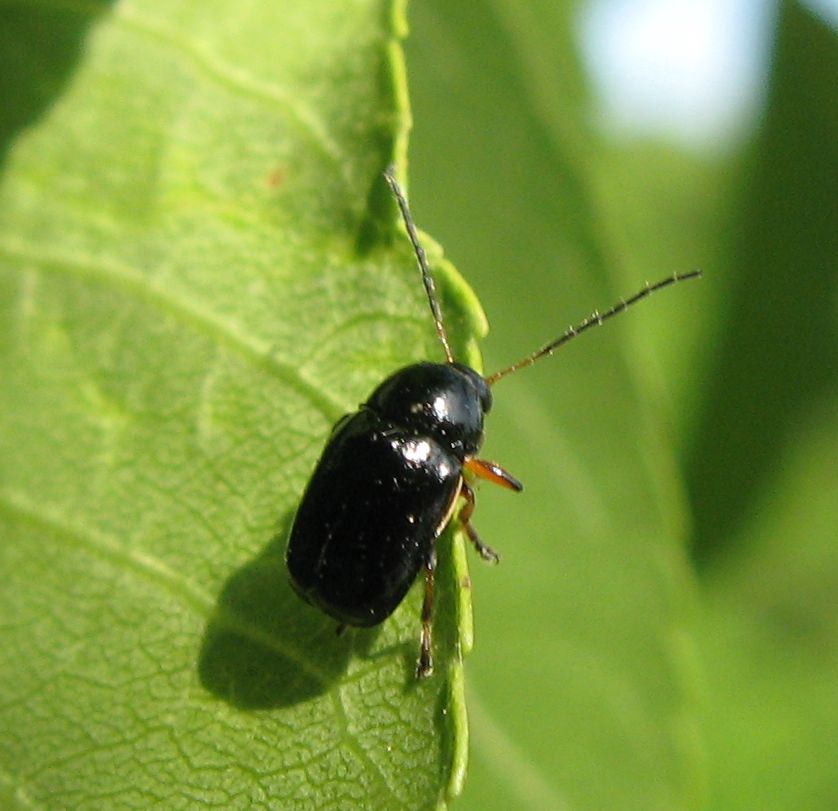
(425, 665)
(486, 552)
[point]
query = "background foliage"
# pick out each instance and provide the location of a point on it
(740, 375)
(661, 632)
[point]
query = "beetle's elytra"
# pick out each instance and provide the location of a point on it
(393, 473)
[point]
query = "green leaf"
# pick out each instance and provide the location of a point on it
(581, 685)
(200, 271)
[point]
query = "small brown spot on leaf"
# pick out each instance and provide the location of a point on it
(277, 177)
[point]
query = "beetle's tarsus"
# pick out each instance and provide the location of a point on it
(425, 665)
(486, 552)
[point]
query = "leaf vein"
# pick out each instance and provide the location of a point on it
(151, 568)
(354, 745)
(21, 795)
(117, 274)
(223, 73)
(228, 76)
(156, 571)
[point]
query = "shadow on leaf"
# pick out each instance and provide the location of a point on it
(264, 647)
(40, 47)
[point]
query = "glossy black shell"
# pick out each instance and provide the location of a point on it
(384, 489)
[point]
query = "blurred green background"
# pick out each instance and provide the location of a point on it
(510, 161)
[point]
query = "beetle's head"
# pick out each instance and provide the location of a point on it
(446, 401)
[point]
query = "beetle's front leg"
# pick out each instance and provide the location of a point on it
(493, 472)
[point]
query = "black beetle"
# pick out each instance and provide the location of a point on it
(391, 476)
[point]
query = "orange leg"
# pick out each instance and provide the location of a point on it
(485, 552)
(493, 472)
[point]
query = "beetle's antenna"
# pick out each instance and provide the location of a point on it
(427, 279)
(593, 320)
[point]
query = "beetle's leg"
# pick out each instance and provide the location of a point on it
(486, 552)
(425, 665)
(493, 472)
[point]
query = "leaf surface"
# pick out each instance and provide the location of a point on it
(200, 272)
